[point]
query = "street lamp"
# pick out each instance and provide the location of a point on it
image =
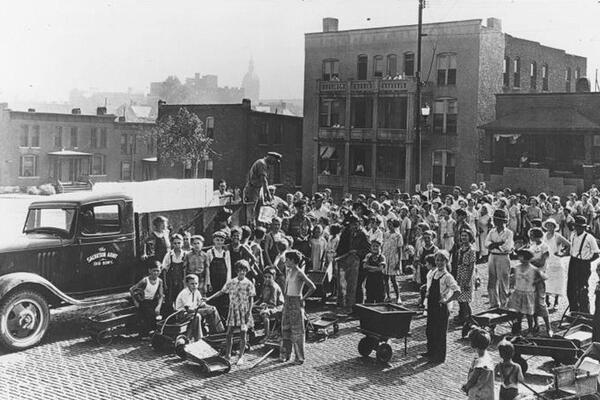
(425, 110)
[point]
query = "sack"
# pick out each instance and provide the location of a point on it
(266, 214)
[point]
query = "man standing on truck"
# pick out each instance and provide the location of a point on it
(257, 184)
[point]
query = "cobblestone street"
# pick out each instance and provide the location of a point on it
(69, 365)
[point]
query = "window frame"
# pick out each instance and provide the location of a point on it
(94, 137)
(449, 73)
(446, 105)
(333, 71)
(103, 138)
(102, 164)
(389, 64)
(444, 165)
(92, 208)
(406, 63)
(533, 75)
(35, 173)
(58, 134)
(545, 72)
(210, 127)
(24, 136)
(568, 77)
(362, 61)
(34, 138)
(517, 72)
(378, 66)
(74, 134)
(506, 72)
(131, 166)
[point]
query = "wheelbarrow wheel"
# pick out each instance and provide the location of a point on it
(104, 338)
(384, 352)
(366, 346)
(522, 363)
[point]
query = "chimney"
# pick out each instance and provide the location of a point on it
(121, 119)
(76, 111)
(101, 111)
(161, 103)
(31, 110)
(495, 24)
(330, 24)
(246, 103)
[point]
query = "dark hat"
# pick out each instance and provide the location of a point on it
(580, 220)
(300, 203)
(460, 212)
(275, 155)
(350, 217)
(525, 253)
(360, 207)
(500, 215)
(536, 232)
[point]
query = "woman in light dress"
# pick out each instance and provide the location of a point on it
(555, 269)
(484, 224)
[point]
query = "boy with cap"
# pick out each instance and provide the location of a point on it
(499, 242)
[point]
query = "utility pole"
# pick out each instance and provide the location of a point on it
(419, 89)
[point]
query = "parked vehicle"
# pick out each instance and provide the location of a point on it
(76, 247)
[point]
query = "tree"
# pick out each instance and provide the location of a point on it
(181, 139)
(173, 91)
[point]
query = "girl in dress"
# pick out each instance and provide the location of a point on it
(555, 270)
(540, 255)
(465, 269)
(522, 298)
(292, 319)
(241, 300)
(392, 251)
(447, 225)
(481, 374)
(484, 224)
(514, 215)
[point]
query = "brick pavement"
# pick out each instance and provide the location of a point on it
(70, 366)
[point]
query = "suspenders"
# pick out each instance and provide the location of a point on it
(581, 245)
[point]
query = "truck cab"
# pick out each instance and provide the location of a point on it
(74, 246)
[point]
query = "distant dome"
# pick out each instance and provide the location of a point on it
(251, 84)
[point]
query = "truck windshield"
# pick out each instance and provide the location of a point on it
(58, 220)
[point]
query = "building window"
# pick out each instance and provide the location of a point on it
(360, 160)
(517, 72)
(409, 63)
(35, 136)
(24, 138)
(94, 138)
(103, 138)
(568, 80)
(127, 143)
(208, 169)
(29, 166)
(332, 113)
(378, 66)
(533, 75)
(391, 162)
(577, 74)
(275, 174)
(362, 67)
(262, 131)
(545, 77)
(330, 162)
(505, 72)
(445, 115)
(444, 165)
(278, 133)
(392, 65)
(362, 112)
(392, 112)
(58, 137)
(210, 127)
(331, 70)
(126, 170)
(98, 164)
(446, 69)
(150, 146)
(74, 136)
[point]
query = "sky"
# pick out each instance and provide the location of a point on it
(49, 47)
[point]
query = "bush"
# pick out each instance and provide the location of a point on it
(33, 190)
(47, 189)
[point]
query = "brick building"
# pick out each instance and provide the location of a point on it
(39, 148)
(558, 134)
(359, 100)
(241, 136)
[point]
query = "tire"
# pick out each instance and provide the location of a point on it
(384, 353)
(366, 346)
(24, 319)
(104, 338)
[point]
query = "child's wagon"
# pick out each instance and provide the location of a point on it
(381, 322)
(106, 325)
(490, 319)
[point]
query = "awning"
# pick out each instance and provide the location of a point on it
(150, 159)
(543, 119)
(69, 153)
(326, 152)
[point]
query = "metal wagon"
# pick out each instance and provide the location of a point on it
(381, 322)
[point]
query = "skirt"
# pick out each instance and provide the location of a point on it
(556, 270)
(523, 302)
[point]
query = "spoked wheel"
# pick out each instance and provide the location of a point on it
(24, 318)
(366, 346)
(384, 352)
(104, 338)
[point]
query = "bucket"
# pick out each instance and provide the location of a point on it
(266, 214)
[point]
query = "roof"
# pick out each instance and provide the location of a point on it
(80, 197)
(142, 111)
(543, 119)
(69, 153)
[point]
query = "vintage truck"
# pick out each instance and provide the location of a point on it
(76, 249)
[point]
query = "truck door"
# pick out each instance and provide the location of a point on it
(106, 246)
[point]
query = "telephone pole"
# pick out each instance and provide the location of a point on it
(419, 89)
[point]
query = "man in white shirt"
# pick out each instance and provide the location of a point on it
(222, 196)
(190, 299)
(499, 242)
(584, 250)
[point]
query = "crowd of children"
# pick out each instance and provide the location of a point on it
(362, 244)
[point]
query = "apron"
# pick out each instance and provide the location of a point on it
(437, 322)
(174, 280)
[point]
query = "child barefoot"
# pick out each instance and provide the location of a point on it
(241, 299)
(508, 371)
(392, 251)
(523, 298)
(481, 374)
(540, 256)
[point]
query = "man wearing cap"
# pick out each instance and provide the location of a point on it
(499, 242)
(294, 225)
(584, 250)
(257, 185)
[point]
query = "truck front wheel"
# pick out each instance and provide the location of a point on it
(24, 318)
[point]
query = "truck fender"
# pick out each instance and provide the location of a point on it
(11, 281)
